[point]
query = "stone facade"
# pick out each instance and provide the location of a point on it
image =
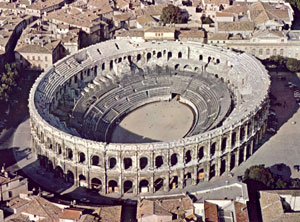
(102, 165)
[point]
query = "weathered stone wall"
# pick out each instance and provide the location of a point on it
(152, 166)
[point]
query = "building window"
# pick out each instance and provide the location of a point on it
(39, 58)
(33, 58)
(10, 195)
(260, 52)
(268, 52)
(46, 58)
(281, 52)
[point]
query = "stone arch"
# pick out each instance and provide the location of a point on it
(112, 162)
(274, 52)
(242, 133)
(58, 148)
(158, 184)
(200, 57)
(81, 157)
(144, 186)
(159, 161)
(188, 179)
(148, 56)
(96, 184)
(169, 55)
(128, 186)
(201, 153)
(127, 163)
(200, 175)
(232, 161)
(223, 166)
(174, 159)
(217, 61)
(139, 57)
(70, 177)
(59, 172)
(213, 149)
(111, 64)
(159, 55)
(233, 139)
(224, 144)
(82, 181)
(173, 182)
(143, 162)
(69, 153)
(196, 69)
(212, 171)
(95, 161)
(216, 76)
(113, 186)
(179, 55)
(176, 66)
(187, 67)
(248, 151)
(188, 156)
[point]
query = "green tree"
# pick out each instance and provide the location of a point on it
(280, 184)
(280, 60)
(295, 4)
(8, 81)
(172, 14)
(206, 20)
(261, 174)
(293, 65)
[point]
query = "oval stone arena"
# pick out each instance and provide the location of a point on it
(147, 118)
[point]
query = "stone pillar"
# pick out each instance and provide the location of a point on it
(218, 166)
(228, 162)
(237, 157)
(151, 188)
(167, 182)
(207, 171)
(195, 176)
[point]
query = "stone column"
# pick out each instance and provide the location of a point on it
(218, 166)
(195, 176)
(237, 157)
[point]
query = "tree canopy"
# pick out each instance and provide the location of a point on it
(8, 81)
(293, 65)
(172, 14)
(261, 174)
(295, 4)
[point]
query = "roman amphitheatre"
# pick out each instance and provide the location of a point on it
(143, 118)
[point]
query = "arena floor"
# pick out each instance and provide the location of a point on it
(159, 121)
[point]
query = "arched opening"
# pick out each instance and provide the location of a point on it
(128, 186)
(200, 175)
(187, 67)
(216, 76)
(143, 162)
(112, 186)
(96, 184)
(95, 160)
(174, 159)
(200, 57)
(248, 152)
(208, 59)
(129, 59)
(158, 184)
(159, 161)
(176, 66)
(138, 58)
(217, 61)
(179, 55)
(81, 157)
(59, 172)
(70, 177)
(233, 139)
(169, 55)
(112, 162)
(223, 145)
(159, 55)
(212, 171)
(213, 149)
(242, 134)
(188, 156)
(49, 166)
(196, 69)
(173, 183)
(232, 161)
(127, 163)
(69, 154)
(188, 179)
(103, 66)
(82, 181)
(201, 153)
(148, 56)
(241, 156)
(249, 129)
(223, 166)
(59, 150)
(144, 186)
(111, 64)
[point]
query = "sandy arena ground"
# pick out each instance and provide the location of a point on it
(159, 121)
